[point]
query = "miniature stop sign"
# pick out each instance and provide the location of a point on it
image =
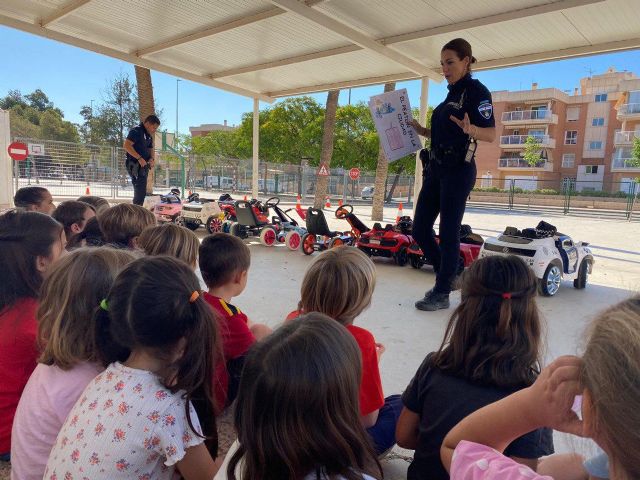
(354, 173)
(18, 151)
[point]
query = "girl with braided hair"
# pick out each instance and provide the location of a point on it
(491, 348)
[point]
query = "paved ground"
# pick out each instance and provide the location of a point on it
(276, 273)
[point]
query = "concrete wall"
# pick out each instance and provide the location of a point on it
(6, 164)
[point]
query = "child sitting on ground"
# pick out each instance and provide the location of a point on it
(340, 284)
(297, 410)
(34, 199)
(98, 203)
(122, 224)
(224, 263)
(69, 360)
(491, 348)
(73, 216)
(170, 239)
(607, 378)
(30, 242)
(141, 418)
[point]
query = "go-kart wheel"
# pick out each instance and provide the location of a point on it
(292, 240)
(180, 220)
(343, 211)
(272, 201)
(549, 284)
(366, 251)
(583, 274)
(401, 257)
(234, 229)
(191, 225)
(414, 261)
(214, 224)
(267, 236)
(308, 243)
(336, 242)
(460, 268)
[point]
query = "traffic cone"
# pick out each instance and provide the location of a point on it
(245, 198)
(87, 191)
(340, 202)
(299, 209)
(298, 205)
(189, 192)
(328, 204)
(400, 214)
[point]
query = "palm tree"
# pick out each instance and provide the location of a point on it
(382, 169)
(327, 146)
(146, 108)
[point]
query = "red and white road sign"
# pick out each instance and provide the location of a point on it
(18, 151)
(354, 173)
(323, 171)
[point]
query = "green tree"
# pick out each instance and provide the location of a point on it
(635, 153)
(52, 126)
(532, 151)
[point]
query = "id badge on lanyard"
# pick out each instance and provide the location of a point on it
(472, 146)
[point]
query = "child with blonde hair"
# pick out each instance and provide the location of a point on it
(607, 378)
(69, 360)
(170, 239)
(122, 224)
(340, 283)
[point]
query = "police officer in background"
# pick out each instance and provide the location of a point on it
(457, 124)
(140, 155)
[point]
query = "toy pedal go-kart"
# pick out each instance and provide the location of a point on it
(392, 241)
(319, 237)
(288, 230)
(551, 255)
(470, 245)
(201, 211)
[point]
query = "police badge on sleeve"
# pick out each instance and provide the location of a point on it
(486, 109)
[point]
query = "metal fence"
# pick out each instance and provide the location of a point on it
(71, 170)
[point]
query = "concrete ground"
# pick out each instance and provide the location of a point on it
(276, 273)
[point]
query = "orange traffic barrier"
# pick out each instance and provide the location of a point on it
(400, 214)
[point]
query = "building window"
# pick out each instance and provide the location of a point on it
(568, 160)
(597, 122)
(573, 113)
(571, 137)
(601, 97)
(591, 169)
(597, 145)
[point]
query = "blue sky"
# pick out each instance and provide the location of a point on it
(72, 77)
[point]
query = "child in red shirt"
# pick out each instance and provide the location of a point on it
(29, 243)
(340, 284)
(224, 262)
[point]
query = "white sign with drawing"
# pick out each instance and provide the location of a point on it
(391, 113)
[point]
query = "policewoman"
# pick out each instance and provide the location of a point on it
(457, 124)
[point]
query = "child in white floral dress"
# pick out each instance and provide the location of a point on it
(136, 419)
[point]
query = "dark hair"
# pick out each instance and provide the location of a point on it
(123, 222)
(149, 308)
(494, 336)
(24, 236)
(98, 203)
(27, 196)
(91, 234)
(70, 212)
(221, 256)
(297, 409)
(152, 119)
(462, 49)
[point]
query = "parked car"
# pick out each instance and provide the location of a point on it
(367, 193)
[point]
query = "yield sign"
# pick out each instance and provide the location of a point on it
(18, 151)
(323, 171)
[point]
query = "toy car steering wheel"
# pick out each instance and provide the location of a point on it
(272, 202)
(343, 211)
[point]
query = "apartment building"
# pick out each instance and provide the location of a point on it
(205, 128)
(585, 137)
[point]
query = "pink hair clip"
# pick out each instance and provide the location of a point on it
(506, 295)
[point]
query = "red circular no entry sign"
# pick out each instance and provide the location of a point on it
(354, 173)
(18, 151)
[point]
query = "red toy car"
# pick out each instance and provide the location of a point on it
(392, 241)
(470, 244)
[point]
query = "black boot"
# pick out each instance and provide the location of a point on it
(433, 301)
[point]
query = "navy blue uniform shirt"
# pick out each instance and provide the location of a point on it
(142, 142)
(469, 96)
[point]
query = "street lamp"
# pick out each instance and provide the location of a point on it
(91, 122)
(176, 134)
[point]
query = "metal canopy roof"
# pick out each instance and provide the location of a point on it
(267, 49)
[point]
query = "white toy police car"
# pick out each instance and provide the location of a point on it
(552, 255)
(201, 212)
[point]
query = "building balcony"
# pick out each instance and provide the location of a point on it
(529, 117)
(625, 138)
(629, 111)
(515, 142)
(623, 165)
(517, 163)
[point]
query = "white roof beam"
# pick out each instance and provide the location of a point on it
(62, 12)
(490, 20)
(356, 37)
(215, 29)
(127, 57)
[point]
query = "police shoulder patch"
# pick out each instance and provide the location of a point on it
(485, 109)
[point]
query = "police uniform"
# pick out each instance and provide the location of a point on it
(143, 145)
(449, 175)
